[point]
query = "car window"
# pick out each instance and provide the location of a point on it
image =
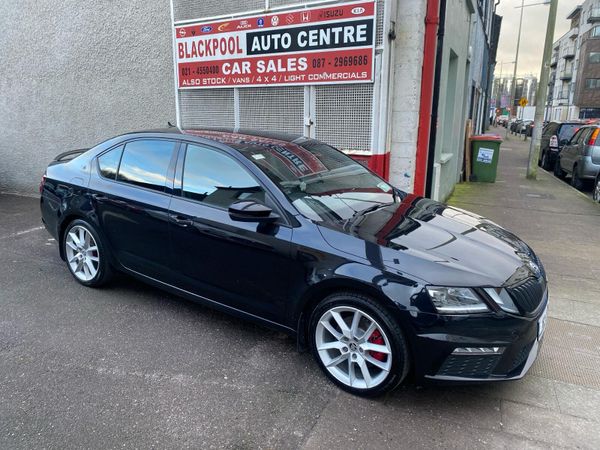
(145, 163)
(217, 179)
(575, 137)
(584, 137)
(567, 131)
(108, 163)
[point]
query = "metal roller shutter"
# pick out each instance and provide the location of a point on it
(272, 108)
(343, 116)
(207, 108)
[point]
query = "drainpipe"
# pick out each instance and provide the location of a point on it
(435, 99)
(427, 118)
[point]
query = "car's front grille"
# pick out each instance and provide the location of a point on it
(529, 294)
(469, 366)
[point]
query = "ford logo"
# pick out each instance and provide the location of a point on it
(358, 10)
(206, 29)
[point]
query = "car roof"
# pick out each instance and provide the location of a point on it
(225, 135)
(570, 122)
(250, 135)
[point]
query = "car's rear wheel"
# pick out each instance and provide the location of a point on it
(85, 254)
(596, 191)
(545, 161)
(358, 345)
(558, 172)
(576, 182)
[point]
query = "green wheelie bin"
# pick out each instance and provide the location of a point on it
(485, 151)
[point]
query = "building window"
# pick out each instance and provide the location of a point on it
(592, 83)
(594, 57)
(596, 31)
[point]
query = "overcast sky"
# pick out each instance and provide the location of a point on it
(532, 35)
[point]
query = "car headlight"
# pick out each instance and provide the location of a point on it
(453, 300)
(502, 299)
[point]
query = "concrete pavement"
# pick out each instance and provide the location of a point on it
(131, 366)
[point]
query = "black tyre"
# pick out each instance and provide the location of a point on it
(545, 163)
(86, 255)
(596, 190)
(576, 182)
(358, 344)
(558, 172)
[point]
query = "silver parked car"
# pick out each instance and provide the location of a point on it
(580, 158)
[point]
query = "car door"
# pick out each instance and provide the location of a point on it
(131, 193)
(568, 152)
(243, 265)
(579, 148)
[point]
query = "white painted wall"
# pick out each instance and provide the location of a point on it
(406, 91)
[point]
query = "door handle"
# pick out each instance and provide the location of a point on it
(180, 220)
(99, 197)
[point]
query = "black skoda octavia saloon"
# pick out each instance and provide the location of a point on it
(292, 233)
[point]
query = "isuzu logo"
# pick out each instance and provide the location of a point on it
(358, 10)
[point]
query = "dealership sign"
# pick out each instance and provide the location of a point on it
(321, 45)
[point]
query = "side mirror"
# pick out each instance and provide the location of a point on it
(251, 211)
(564, 142)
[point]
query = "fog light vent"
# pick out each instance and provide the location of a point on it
(478, 351)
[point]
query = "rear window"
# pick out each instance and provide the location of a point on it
(109, 162)
(568, 130)
(550, 129)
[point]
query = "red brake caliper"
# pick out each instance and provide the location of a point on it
(377, 338)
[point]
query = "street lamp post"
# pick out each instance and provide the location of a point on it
(501, 85)
(514, 81)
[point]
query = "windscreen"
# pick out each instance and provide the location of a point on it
(323, 183)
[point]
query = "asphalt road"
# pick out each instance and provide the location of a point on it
(129, 366)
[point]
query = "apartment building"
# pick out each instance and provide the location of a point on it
(574, 87)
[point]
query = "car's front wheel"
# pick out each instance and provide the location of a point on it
(85, 254)
(358, 344)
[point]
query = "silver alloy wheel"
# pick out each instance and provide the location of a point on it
(82, 253)
(344, 338)
(596, 193)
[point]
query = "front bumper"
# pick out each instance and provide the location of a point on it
(504, 346)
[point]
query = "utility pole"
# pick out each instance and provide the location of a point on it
(541, 95)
